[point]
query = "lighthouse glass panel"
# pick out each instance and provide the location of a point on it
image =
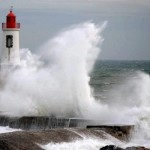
(8, 19)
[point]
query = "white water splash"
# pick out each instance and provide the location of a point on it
(56, 81)
(131, 100)
(7, 129)
(86, 144)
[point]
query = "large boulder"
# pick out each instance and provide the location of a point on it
(113, 147)
(31, 140)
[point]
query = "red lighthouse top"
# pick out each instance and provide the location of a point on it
(11, 21)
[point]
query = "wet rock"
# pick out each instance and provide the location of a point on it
(31, 140)
(121, 132)
(113, 147)
(137, 148)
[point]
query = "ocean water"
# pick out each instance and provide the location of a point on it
(109, 74)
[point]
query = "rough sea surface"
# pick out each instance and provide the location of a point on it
(109, 74)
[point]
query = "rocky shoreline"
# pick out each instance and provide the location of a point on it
(33, 140)
(39, 131)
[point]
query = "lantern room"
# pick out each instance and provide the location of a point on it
(10, 21)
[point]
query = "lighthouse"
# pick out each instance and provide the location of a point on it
(10, 54)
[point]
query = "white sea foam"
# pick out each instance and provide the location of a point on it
(7, 129)
(86, 144)
(131, 100)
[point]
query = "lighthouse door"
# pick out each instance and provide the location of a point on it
(9, 44)
(9, 41)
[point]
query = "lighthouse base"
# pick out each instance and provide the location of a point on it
(5, 67)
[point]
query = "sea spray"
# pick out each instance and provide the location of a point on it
(55, 82)
(130, 98)
(85, 144)
(129, 103)
(7, 130)
(140, 135)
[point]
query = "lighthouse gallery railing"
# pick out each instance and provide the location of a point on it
(4, 25)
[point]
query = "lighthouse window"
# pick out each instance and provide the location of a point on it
(8, 19)
(9, 41)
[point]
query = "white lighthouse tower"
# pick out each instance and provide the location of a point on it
(10, 54)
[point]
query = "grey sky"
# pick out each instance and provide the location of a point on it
(127, 35)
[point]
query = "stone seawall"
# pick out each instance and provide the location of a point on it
(42, 122)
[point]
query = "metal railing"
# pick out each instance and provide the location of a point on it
(4, 26)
